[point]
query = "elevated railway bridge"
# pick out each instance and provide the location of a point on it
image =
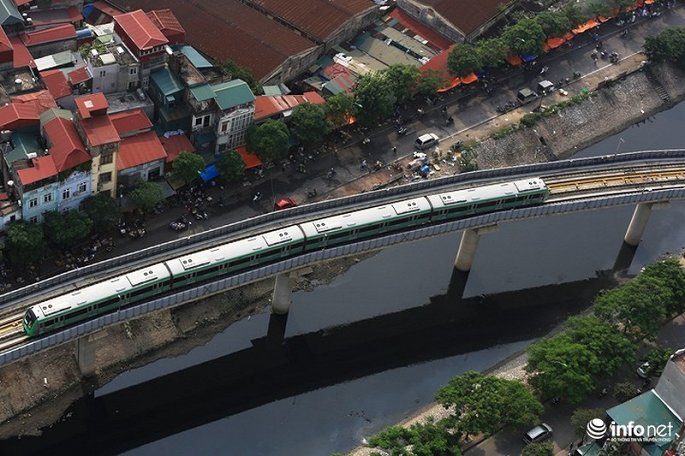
(645, 180)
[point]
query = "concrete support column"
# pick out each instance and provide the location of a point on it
(468, 247)
(283, 293)
(85, 354)
(638, 222)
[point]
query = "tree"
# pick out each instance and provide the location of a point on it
(553, 23)
(309, 123)
(102, 210)
(238, 72)
(402, 79)
(625, 391)
(25, 243)
(147, 195)
(612, 348)
(484, 404)
(231, 166)
(600, 8)
(463, 60)
(622, 4)
(187, 167)
(422, 439)
(373, 99)
(429, 82)
(657, 360)
(492, 52)
(640, 306)
(582, 416)
(525, 37)
(560, 367)
(538, 449)
(668, 46)
(672, 274)
(340, 107)
(65, 229)
(574, 14)
(269, 140)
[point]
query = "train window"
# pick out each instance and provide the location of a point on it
(108, 302)
(366, 229)
(268, 254)
(488, 204)
(458, 209)
(142, 291)
(397, 222)
(78, 313)
(297, 245)
(49, 322)
(339, 235)
(521, 198)
(508, 200)
(239, 261)
(165, 283)
(211, 270)
(179, 279)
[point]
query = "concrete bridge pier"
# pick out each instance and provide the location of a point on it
(283, 294)
(638, 222)
(85, 354)
(469, 245)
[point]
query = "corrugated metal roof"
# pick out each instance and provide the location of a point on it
(22, 57)
(174, 145)
(166, 81)
(54, 60)
(43, 168)
(141, 30)
(66, 148)
(57, 83)
(202, 92)
(17, 115)
(9, 14)
(87, 105)
(195, 57)
(647, 408)
(5, 43)
(99, 130)
(256, 42)
(52, 34)
(317, 18)
(168, 24)
(465, 15)
(41, 100)
(130, 121)
(232, 93)
(79, 75)
(267, 106)
(139, 149)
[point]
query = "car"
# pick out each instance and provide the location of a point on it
(545, 87)
(525, 96)
(539, 433)
(426, 140)
(643, 370)
(284, 203)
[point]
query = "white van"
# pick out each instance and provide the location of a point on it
(427, 140)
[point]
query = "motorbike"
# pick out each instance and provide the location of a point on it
(180, 224)
(366, 141)
(257, 196)
(576, 74)
(614, 57)
(311, 193)
(449, 120)
(402, 131)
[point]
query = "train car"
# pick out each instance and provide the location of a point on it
(236, 256)
(352, 226)
(489, 198)
(93, 300)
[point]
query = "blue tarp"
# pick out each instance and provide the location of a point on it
(209, 173)
(528, 57)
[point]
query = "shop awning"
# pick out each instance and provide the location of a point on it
(451, 84)
(582, 28)
(209, 173)
(514, 60)
(554, 43)
(528, 57)
(471, 78)
(250, 160)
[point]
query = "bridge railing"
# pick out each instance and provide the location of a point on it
(300, 211)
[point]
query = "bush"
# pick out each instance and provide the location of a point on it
(625, 391)
(530, 119)
(581, 417)
(538, 449)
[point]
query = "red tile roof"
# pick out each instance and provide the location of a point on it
(130, 121)
(43, 168)
(167, 23)
(140, 29)
(66, 148)
(433, 37)
(267, 106)
(17, 115)
(256, 42)
(92, 104)
(22, 56)
(316, 18)
(139, 149)
(174, 145)
(99, 130)
(5, 43)
(56, 83)
(79, 75)
(107, 8)
(465, 15)
(49, 35)
(48, 17)
(41, 100)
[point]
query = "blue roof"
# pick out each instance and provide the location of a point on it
(202, 92)
(166, 82)
(209, 173)
(9, 14)
(194, 56)
(528, 57)
(232, 93)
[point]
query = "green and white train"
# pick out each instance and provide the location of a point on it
(238, 256)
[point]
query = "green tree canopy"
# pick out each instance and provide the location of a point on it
(538, 449)
(65, 229)
(525, 37)
(429, 82)
(373, 99)
(231, 166)
(625, 391)
(269, 140)
(423, 439)
(492, 52)
(309, 123)
(340, 107)
(463, 60)
(672, 274)
(102, 210)
(622, 4)
(600, 8)
(147, 195)
(582, 416)
(575, 15)
(553, 23)
(238, 72)
(484, 404)
(668, 46)
(402, 79)
(25, 243)
(560, 367)
(657, 359)
(640, 306)
(187, 167)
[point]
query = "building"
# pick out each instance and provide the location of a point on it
(279, 107)
(235, 110)
(167, 23)
(101, 140)
(144, 39)
(112, 65)
(50, 41)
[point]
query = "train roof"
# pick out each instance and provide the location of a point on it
(366, 216)
(487, 192)
(101, 290)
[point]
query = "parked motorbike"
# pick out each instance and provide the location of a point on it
(311, 193)
(402, 131)
(180, 224)
(257, 196)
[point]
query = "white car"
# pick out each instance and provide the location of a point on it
(427, 140)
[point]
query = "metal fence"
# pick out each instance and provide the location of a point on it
(403, 190)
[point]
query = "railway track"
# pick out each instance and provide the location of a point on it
(638, 177)
(11, 331)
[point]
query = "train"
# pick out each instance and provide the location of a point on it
(271, 246)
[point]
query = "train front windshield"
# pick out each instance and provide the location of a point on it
(29, 318)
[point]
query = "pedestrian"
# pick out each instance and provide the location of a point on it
(363, 165)
(571, 448)
(394, 150)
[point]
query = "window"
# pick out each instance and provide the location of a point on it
(33, 202)
(82, 187)
(103, 74)
(66, 193)
(133, 71)
(132, 84)
(224, 127)
(33, 219)
(47, 198)
(106, 177)
(106, 158)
